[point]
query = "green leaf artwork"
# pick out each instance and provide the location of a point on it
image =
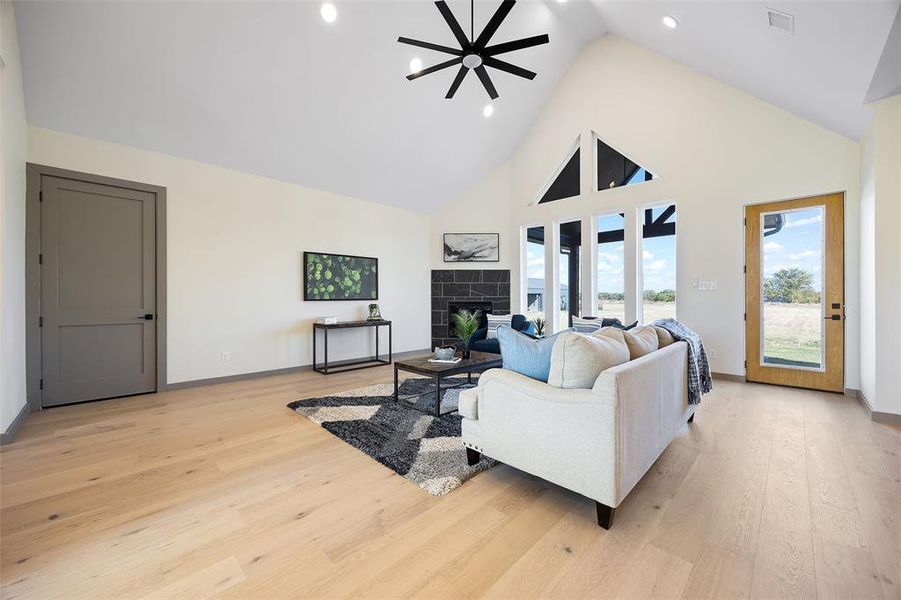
(339, 277)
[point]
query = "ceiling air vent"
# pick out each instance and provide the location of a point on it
(781, 20)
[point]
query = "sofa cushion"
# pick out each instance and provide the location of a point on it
(578, 359)
(612, 332)
(524, 354)
(496, 320)
(490, 346)
(468, 403)
(664, 337)
(641, 340)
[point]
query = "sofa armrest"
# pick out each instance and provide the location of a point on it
(650, 398)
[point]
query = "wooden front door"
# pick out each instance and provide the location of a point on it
(794, 289)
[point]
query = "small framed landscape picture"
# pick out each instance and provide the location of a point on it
(472, 247)
(340, 277)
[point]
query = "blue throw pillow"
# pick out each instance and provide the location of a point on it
(526, 355)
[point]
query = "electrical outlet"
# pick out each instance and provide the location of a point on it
(225, 357)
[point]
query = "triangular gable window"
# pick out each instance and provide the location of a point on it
(616, 170)
(566, 183)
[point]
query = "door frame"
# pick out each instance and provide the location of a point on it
(745, 298)
(33, 174)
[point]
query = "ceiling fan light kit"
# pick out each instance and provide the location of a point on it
(474, 53)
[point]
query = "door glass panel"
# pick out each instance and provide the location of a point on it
(611, 267)
(570, 270)
(535, 273)
(792, 314)
(658, 263)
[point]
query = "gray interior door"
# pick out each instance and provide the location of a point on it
(98, 291)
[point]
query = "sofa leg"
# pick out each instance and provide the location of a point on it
(691, 418)
(473, 456)
(605, 515)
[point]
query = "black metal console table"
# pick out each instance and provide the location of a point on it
(354, 363)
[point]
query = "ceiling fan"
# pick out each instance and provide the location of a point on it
(474, 52)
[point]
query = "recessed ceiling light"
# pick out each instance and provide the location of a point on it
(329, 12)
(670, 22)
(415, 65)
(561, 1)
(488, 110)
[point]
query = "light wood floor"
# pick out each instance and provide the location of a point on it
(222, 491)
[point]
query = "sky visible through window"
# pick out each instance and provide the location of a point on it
(800, 249)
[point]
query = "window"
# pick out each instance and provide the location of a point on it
(615, 170)
(658, 263)
(610, 267)
(566, 183)
(534, 272)
(570, 270)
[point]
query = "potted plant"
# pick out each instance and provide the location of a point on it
(540, 324)
(466, 323)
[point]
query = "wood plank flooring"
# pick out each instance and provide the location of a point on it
(221, 491)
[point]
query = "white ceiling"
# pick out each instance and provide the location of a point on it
(269, 88)
(821, 72)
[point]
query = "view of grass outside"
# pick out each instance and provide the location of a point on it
(610, 266)
(792, 319)
(792, 333)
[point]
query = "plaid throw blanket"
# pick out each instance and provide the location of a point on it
(699, 379)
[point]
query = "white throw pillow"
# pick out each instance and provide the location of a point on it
(577, 359)
(494, 321)
(585, 325)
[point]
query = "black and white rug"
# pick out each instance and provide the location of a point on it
(425, 449)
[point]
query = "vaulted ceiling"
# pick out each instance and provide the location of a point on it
(269, 88)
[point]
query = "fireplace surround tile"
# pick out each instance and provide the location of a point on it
(462, 285)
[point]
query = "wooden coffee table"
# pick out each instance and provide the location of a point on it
(476, 363)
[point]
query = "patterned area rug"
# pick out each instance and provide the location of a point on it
(425, 449)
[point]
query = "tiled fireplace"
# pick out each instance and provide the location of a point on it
(471, 288)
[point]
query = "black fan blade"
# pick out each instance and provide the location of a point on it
(452, 23)
(505, 66)
(499, 15)
(430, 46)
(486, 81)
(438, 67)
(457, 81)
(516, 45)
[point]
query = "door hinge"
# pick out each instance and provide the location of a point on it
(745, 221)
(746, 365)
(40, 259)
(42, 384)
(41, 196)
(746, 316)
(40, 321)
(744, 269)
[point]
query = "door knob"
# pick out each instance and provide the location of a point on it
(147, 317)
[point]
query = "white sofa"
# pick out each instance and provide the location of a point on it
(598, 442)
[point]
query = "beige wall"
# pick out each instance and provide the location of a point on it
(880, 258)
(12, 223)
(234, 259)
(715, 149)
